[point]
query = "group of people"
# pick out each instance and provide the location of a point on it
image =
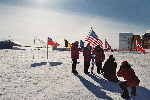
(97, 56)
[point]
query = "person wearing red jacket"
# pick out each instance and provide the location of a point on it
(100, 56)
(132, 80)
(74, 55)
(87, 58)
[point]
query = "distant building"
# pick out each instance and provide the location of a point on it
(125, 41)
(146, 40)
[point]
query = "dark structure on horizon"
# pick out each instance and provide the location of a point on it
(8, 44)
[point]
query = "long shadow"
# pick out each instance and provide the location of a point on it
(134, 52)
(55, 63)
(38, 64)
(96, 90)
(107, 85)
(44, 63)
(142, 92)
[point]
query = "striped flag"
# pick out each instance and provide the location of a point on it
(139, 47)
(94, 40)
(107, 46)
(67, 44)
(39, 41)
(51, 42)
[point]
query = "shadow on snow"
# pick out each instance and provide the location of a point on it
(96, 90)
(142, 92)
(44, 63)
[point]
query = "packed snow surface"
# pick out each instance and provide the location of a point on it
(29, 75)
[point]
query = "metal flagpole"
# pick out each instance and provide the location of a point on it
(89, 34)
(105, 43)
(47, 49)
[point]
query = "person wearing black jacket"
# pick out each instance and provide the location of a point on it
(109, 69)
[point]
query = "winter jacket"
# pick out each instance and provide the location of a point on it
(87, 54)
(74, 51)
(109, 69)
(100, 56)
(129, 75)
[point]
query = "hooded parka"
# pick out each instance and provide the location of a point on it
(129, 75)
(74, 51)
(100, 56)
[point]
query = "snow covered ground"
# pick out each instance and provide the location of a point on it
(29, 75)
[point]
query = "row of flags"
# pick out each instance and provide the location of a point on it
(92, 38)
(49, 42)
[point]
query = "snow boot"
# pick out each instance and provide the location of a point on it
(124, 89)
(115, 79)
(126, 96)
(74, 71)
(74, 68)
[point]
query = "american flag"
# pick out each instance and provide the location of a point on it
(94, 40)
(139, 47)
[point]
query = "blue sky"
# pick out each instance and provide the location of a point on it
(72, 19)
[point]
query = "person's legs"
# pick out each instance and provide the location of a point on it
(86, 66)
(74, 65)
(133, 92)
(124, 86)
(115, 79)
(99, 66)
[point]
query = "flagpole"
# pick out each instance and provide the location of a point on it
(135, 45)
(34, 41)
(47, 49)
(89, 33)
(105, 43)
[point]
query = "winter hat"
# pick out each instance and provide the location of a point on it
(98, 46)
(124, 63)
(88, 44)
(111, 56)
(76, 42)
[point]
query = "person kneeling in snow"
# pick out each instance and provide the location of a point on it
(132, 80)
(109, 69)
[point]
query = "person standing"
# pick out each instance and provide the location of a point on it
(74, 55)
(100, 56)
(87, 58)
(132, 80)
(109, 69)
